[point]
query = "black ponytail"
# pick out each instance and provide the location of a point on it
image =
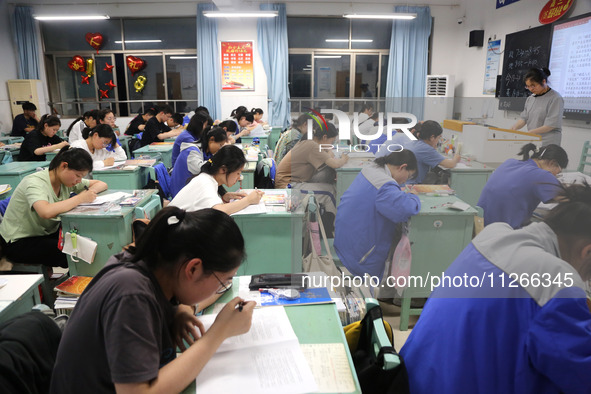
(398, 158)
(229, 157)
(238, 112)
(230, 126)
(175, 236)
(429, 128)
(257, 111)
(538, 75)
(218, 135)
(103, 130)
(195, 126)
(77, 158)
(548, 152)
(572, 215)
(94, 114)
(49, 120)
(78, 119)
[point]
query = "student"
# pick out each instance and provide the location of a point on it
(192, 133)
(369, 211)
(89, 119)
(543, 109)
(95, 141)
(138, 123)
(175, 121)
(230, 127)
(289, 138)
(42, 140)
(243, 120)
(526, 327)
(25, 122)
(30, 227)
(106, 116)
(306, 160)
(425, 149)
(207, 189)
(257, 114)
(123, 334)
(192, 157)
(517, 187)
(156, 129)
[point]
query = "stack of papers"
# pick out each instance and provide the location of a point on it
(112, 197)
(69, 292)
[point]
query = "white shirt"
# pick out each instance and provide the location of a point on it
(200, 193)
(100, 154)
(76, 131)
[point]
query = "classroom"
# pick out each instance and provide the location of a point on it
(295, 196)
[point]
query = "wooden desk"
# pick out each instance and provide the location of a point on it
(111, 230)
(161, 152)
(19, 295)
(437, 234)
(117, 178)
(347, 174)
(13, 173)
(469, 182)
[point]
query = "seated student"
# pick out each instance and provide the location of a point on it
(243, 120)
(193, 156)
(123, 334)
(175, 121)
(398, 138)
(25, 122)
(107, 116)
(230, 127)
(257, 114)
(95, 142)
(89, 119)
(425, 149)
(306, 162)
(207, 189)
(192, 133)
(42, 140)
(156, 129)
(138, 123)
(290, 137)
(364, 117)
(375, 204)
(30, 227)
(517, 187)
(527, 327)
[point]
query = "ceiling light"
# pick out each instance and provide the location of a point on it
(327, 56)
(398, 15)
(70, 17)
(306, 69)
(183, 57)
(137, 41)
(246, 14)
(346, 40)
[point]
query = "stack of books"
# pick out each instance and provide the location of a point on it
(68, 293)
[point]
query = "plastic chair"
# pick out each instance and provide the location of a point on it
(585, 158)
(380, 339)
(150, 209)
(273, 138)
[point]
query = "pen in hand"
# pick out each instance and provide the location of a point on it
(241, 306)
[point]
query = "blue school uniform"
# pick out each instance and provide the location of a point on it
(503, 339)
(366, 220)
(514, 190)
(427, 158)
(180, 171)
(397, 139)
(185, 136)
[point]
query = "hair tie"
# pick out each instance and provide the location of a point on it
(209, 161)
(176, 219)
(542, 154)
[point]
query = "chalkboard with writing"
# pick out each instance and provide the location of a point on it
(523, 50)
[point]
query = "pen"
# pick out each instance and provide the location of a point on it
(240, 306)
(86, 187)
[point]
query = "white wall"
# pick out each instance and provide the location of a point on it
(8, 69)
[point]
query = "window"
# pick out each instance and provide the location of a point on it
(300, 75)
(165, 33)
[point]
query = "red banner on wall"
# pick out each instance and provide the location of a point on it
(554, 10)
(237, 65)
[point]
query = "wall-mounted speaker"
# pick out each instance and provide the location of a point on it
(476, 38)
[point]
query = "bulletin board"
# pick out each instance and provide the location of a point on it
(237, 65)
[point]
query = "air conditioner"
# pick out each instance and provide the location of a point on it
(439, 97)
(31, 90)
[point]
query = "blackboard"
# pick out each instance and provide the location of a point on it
(523, 50)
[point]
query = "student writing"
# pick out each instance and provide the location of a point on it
(207, 189)
(95, 142)
(89, 119)
(156, 129)
(30, 227)
(192, 133)
(122, 335)
(42, 140)
(138, 123)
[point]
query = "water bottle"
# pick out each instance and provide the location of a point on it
(256, 141)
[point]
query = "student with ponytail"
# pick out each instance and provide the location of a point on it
(197, 125)
(30, 227)
(516, 187)
(89, 119)
(257, 114)
(543, 109)
(123, 334)
(192, 157)
(42, 140)
(96, 141)
(207, 189)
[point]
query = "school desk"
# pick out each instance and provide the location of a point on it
(162, 152)
(11, 140)
(14, 149)
(19, 295)
(119, 178)
(12, 173)
(468, 180)
(247, 181)
(347, 173)
(110, 229)
(437, 234)
(50, 155)
(247, 140)
(312, 324)
(273, 241)
(124, 141)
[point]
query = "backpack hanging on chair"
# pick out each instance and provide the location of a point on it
(264, 176)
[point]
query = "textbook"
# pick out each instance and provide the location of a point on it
(309, 296)
(140, 162)
(435, 189)
(74, 286)
(266, 360)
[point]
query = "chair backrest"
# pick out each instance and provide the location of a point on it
(150, 209)
(585, 158)
(380, 339)
(273, 137)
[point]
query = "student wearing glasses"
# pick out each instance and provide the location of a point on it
(123, 334)
(95, 141)
(517, 187)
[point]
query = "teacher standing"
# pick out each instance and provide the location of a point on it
(543, 109)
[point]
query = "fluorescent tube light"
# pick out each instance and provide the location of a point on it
(137, 41)
(183, 57)
(306, 69)
(327, 56)
(398, 15)
(70, 17)
(245, 14)
(346, 40)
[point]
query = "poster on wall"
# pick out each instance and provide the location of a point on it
(493, 59)
(237, 65)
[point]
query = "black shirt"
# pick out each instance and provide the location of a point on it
(132, 129)
(19, 125)
(151, 131)
(33, 140)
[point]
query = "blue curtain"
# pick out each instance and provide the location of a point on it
(274, 52)
(407, 65)
(25, 36)
(208, 62)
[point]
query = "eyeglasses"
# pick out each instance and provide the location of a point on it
(223, 286)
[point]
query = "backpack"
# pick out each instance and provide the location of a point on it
(264, 175)
(133, 144)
